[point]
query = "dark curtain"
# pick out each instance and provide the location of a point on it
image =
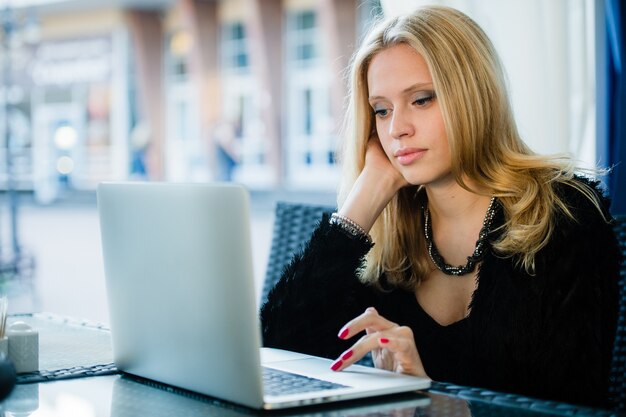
(616, 103)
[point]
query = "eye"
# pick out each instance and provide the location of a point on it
(424, 98)
(381, 112)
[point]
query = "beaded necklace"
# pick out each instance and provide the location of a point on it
(471, 260)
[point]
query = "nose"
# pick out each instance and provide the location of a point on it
(401, 125)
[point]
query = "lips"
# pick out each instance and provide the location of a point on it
(407, 156)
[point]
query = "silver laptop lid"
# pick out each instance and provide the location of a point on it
(175, 257)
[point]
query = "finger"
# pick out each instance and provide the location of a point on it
(398, 342)
(371, 342)
(356, 352)
(402, 346)
(369, 330)
(370, 319)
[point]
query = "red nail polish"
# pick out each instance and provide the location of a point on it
(336, 365)
(344, 333)
(347, 355)
(384, 340)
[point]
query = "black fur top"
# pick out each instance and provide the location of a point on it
(549, 335)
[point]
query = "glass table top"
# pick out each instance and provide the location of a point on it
(124, 396)
(70, 351)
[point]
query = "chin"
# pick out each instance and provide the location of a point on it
(416, 181)
(415, 178)
(428, 179)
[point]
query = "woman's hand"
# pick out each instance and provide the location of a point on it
(377, 184)
(378, 164)
(392, 346)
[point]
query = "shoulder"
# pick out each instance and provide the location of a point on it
(581, 254)
(584, 199)
(581, 225)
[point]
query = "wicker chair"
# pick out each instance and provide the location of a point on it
(618, 369)
(293, 225)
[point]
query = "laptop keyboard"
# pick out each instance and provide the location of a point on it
(277, 382)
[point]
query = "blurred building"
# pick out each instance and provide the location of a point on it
(245, 90)
(188, 90)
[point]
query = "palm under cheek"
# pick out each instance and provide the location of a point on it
(392, 159)
(386, 144)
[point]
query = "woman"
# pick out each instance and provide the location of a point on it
(457, 253)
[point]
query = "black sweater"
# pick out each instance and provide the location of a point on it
(549, 335)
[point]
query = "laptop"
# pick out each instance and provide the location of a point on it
(182, 306)
(132, 397)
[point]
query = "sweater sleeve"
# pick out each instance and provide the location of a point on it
(319, 292)
(578, 305)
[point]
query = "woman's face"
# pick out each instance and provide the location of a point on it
(408, 118)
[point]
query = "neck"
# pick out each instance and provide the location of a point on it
(453, 202)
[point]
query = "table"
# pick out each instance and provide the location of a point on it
(78, 378)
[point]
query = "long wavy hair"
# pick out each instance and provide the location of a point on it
(485, 146)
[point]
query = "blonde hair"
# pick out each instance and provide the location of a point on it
(485, 146)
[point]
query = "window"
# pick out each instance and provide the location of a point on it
(302, 35)
(177, 53)
(184, 158)
(234, 47)
(246, 162)
(310, 140)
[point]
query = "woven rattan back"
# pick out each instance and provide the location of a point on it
(618, 369)
(293, 225)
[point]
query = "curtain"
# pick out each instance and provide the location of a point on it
(616, 104)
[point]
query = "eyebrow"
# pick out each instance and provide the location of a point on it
(414, 87)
